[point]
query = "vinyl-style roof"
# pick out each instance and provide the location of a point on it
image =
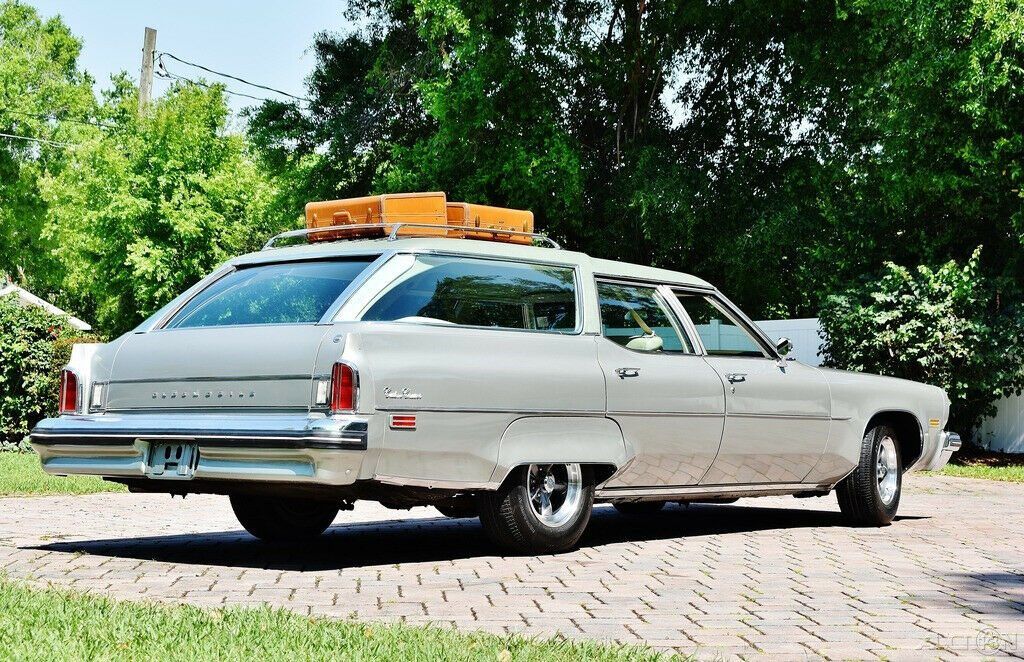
(469, 247)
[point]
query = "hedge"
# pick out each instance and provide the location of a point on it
(34, 347)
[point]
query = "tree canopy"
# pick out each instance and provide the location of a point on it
(774, 148)
(45, 99)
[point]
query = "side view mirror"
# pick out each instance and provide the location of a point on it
(784, 346)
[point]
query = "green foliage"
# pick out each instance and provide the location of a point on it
(22, 475)
(154, 205)
(39, 80)
(34, 347)
(55, 624)
(627, 129)
(937, 326)
(777, 149)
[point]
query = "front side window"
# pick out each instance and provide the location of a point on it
(637, 318)
(283, 293)
(721, 333)
(481, 292)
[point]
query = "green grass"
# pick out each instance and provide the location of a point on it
(1013, 473)
(20, 475)
(56, 624)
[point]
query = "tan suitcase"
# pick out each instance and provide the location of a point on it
(418, 208)
(496, 218)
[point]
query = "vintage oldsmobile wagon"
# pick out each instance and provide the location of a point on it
(513, 382)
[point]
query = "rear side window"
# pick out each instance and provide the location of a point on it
(481, 292)
(284, 293)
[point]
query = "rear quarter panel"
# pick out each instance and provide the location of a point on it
(466, 387)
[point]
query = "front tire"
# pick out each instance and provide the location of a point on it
(870, 496)
(540, 509)
(275, 519)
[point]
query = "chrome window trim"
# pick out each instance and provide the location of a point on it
(573, 266)
(667, 300)
(188, 295)
(326, 318)
(731, 309)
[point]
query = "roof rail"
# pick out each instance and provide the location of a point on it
(395, 227)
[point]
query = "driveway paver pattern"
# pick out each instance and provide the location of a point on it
(772, 576)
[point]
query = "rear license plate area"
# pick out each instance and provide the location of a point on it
(173, 461)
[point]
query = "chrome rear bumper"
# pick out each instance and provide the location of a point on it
(250, 447)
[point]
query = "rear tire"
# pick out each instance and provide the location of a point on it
(540, 509)
(870, 496)
(275, 519)
(639, 507)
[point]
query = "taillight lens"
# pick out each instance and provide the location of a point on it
(343, 388)
(68, 392)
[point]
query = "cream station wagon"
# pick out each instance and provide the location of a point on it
(498, 379)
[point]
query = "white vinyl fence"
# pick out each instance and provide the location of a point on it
(1003, 432)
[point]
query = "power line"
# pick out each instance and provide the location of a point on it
(58, 118)
(38, 140)
(240, 80)
(167, 75)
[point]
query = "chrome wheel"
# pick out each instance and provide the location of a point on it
(887, 470)
(556, 492)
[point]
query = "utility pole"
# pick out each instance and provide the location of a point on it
(146, 76)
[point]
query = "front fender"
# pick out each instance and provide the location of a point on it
(559, 439)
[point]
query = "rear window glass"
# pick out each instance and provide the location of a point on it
(481, 292)
(284, 293)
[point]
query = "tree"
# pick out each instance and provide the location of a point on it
(45, 97)
(935, 326)
(140, 213)
(657, 132)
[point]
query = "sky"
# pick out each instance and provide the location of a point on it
(264, 42)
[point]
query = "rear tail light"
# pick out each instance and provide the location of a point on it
(343, 388)
(68, 392)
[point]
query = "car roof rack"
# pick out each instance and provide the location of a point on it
(391, 232)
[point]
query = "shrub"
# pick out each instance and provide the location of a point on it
(34, 347)
(940, 326)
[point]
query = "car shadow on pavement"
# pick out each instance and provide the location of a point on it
(424, 540)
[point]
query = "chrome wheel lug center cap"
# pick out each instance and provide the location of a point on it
(549, 483)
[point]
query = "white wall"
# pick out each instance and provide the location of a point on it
(1005, 431)
(805, 334)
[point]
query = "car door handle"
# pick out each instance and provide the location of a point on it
(734, 377)
(627, 372)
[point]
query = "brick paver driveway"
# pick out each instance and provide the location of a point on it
(774, 575)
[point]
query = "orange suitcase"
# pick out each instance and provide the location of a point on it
(495, 218)
(419, 208)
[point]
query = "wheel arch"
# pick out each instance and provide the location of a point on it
(590, 440)
(909, 433)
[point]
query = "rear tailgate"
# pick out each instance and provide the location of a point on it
(248, 340)
(245, 367)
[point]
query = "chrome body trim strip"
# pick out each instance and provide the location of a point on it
(434, 484)
(683, 491)
(495, 410)
(239, 378)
